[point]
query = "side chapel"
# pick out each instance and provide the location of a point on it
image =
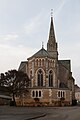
(52, 83)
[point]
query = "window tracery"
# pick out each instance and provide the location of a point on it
(50, 78)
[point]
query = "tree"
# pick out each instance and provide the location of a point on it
(17, 82)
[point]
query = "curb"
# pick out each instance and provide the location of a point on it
(43, 115)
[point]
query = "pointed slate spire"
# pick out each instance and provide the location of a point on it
(51, 32)
(52, 45)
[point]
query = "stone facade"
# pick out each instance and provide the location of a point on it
(52, 83)
(77, 94)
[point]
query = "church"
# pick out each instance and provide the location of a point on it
(52, 83)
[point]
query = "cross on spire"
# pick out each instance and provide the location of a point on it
(51, 12)
(42, 44)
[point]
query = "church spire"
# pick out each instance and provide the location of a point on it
(52, 45)
(51, 32)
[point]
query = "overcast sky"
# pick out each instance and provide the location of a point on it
(24, 24)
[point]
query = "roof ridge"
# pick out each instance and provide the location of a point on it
(42, 52)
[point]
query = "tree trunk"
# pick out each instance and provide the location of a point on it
(14, 102)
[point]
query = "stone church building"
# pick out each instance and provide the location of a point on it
(51, 83)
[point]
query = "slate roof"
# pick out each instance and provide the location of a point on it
(66, 63)
(41, 53)
(22, 65)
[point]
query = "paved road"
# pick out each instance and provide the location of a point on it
(19, 113)
(39, 113)
(62, 113)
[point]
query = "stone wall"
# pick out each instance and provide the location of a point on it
(49, 97)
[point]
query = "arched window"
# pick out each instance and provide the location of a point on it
(63, 94)
(40, 78)
(59, 94)
(39, 93)
(33, 93)
(50, 78)
(42, 62)
(36, 93)
(37, 62)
